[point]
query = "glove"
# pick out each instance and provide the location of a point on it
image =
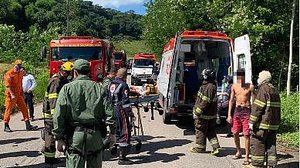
(60, 145)
(112, 140)
(195, 116)
(12, 96)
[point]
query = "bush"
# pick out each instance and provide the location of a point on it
(289, 113)
(289, 127)
(42, 81)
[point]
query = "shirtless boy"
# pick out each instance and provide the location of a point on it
(241, 93)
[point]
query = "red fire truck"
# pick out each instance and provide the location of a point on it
(185, 56)
(120, 59)
(69, 48)
(142, 68)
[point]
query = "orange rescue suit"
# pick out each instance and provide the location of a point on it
(13, 79)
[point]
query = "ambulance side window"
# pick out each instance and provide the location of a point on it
(241, 61)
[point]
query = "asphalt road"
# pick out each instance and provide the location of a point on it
(162, 146)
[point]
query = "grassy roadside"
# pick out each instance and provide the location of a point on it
(132, 47)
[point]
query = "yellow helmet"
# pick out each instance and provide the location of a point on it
(67, 66)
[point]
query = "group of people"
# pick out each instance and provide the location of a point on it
(77, 113)
(258, 121)
(19, 91)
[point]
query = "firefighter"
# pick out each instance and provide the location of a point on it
(264, 122)
(119, 94)
(14, 96)
(55, 84)
(82, 109)
(204, 111)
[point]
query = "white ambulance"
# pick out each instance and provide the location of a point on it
(185, 56)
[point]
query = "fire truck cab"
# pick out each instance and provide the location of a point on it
(184, 58)
(120, 59)
(142, 68)
(69, 48)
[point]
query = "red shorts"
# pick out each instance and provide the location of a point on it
(240, 121)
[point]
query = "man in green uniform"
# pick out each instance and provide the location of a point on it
(264, 121)
(56, 82)
(205, 114)
(82, 109)
(110, 77)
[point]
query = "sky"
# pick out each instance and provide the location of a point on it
(123, 5)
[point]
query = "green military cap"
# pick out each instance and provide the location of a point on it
(82, 65)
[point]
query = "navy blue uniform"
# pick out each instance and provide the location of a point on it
(119, 93)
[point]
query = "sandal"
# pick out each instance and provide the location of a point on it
(235, 157)
(246, 162)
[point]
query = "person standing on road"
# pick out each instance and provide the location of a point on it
(119, 94)
(109, 78)
(82, 111)
(264, 121)
(14, 96)
(240, 96)
(205, 111)
(55, 84)
(29, 85)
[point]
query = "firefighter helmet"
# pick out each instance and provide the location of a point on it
(67, 66)
(208, 74)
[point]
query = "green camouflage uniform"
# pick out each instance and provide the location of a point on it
(82, 109)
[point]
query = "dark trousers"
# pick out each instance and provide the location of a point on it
(206, 129)
(29, 102)
(49, 147)
(124, 126)
(263, 148)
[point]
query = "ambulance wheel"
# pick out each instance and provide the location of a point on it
(138, 146)
(167, 118)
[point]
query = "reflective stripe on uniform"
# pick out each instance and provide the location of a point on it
(268, 126)
(253, 118)
(126, 105)
(257, 158)
(271, 158)
(207, 117)
(47, 115)
(46, 94)
(205, 98)
(273, 104)
(49, 154)
(214, 141)
(259, 103)
(197, 111)
(52, 95)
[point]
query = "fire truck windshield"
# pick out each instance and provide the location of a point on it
(143, 63)
(88, 53)
(118, 56)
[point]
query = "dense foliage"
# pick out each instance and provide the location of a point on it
(83, 18)
(266, 21)
(289, 127)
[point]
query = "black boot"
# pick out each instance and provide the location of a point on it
(6, 128)
(124, 151)
(125, 161)
(52, 160)
(30, 127)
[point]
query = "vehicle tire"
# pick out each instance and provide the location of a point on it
(167, 118)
